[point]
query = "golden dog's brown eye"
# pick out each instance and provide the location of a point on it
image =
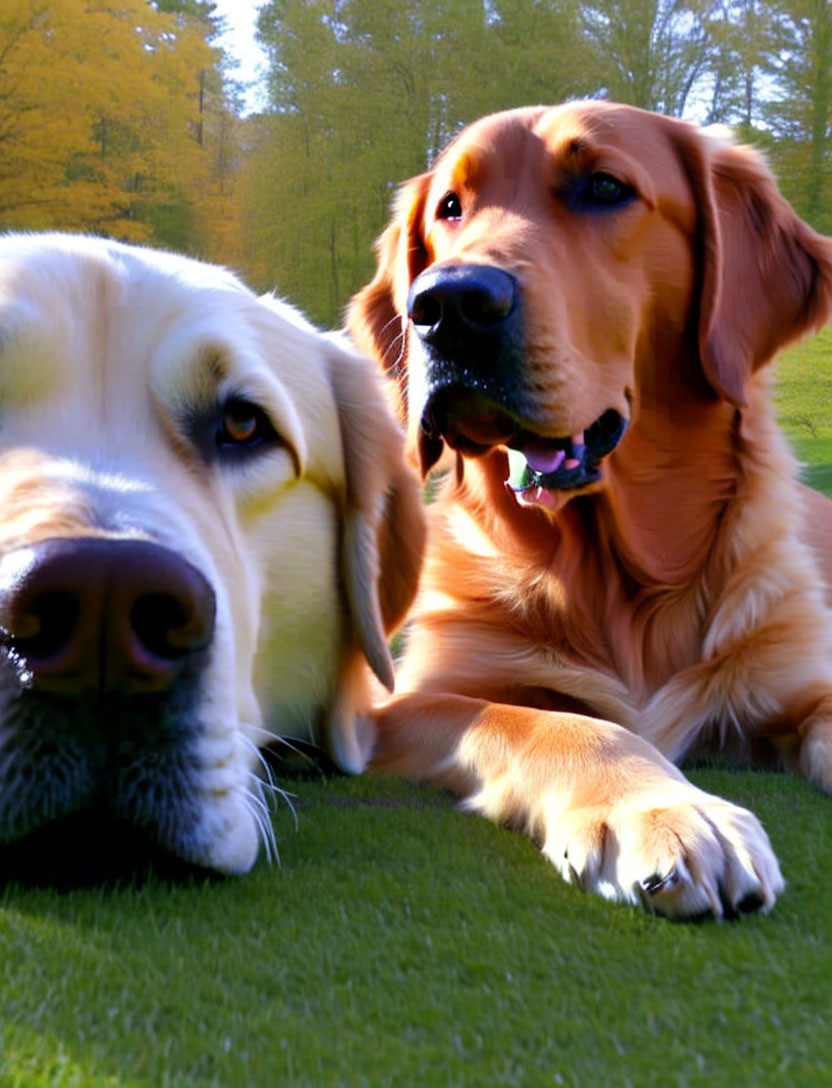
(606, 190)
(242, 424)
(449, 207)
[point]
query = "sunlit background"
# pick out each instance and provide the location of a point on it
(271, 136)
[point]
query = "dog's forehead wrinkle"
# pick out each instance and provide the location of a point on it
(197, 376)
(581, 131)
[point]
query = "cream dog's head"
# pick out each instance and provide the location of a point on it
(206, 529)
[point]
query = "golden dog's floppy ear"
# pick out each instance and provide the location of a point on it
(377, 315)
(766, 276)
(384, 523)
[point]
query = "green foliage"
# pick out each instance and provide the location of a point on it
(364, 96)
(801, 115)
(114, 120)
(653, 50)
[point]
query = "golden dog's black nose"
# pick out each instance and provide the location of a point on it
(455, 300)
(469, 318)
(113, 615)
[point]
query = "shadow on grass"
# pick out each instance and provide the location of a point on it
(91, 849)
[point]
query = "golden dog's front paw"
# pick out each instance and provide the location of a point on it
(679, 857)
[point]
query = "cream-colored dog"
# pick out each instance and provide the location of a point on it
(207, 529)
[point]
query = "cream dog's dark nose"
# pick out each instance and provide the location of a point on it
(113, 615)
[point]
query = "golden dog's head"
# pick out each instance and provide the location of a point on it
(562, 273)
(206, 529)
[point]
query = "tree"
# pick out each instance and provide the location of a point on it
(739, 44)
(655, 51)
(364, 94)
(104, 112)
(801, 115)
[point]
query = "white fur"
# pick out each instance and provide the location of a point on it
(101, 346)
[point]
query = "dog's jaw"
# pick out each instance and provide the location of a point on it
(542, 470)
(154, 770)
(228, 834)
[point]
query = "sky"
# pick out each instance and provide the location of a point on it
(240, 16)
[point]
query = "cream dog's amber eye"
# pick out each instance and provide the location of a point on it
(243, 424)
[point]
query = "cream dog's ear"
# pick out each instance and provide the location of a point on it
(382, 544)
(384, 525)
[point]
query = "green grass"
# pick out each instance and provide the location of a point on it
(804, 401)
(402, 943)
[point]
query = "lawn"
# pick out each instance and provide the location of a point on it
(804, 398)
(402, 943)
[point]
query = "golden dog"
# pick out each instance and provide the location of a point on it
(207, 527)
(580, 301)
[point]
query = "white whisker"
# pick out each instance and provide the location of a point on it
(285, 741)
(269, 783)
(401, 339)
(396, 317)
(261, 759)
(260, 812)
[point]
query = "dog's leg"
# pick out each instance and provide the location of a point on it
(815, 761)
(787, 710)
(812, 753)
(609, 811)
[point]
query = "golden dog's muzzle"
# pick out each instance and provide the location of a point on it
(471, 324)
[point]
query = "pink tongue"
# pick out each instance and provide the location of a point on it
(544, 460)
(542, 456)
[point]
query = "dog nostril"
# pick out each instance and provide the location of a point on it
(453, 301)
(43, 628)
(488, 305)
(169, 626)
(426, 310)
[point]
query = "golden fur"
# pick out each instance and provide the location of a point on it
(681, 596)
(115, 366)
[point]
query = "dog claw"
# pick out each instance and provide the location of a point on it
(750, 902)
(574, 876)
(656, 883)
(643, 898)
